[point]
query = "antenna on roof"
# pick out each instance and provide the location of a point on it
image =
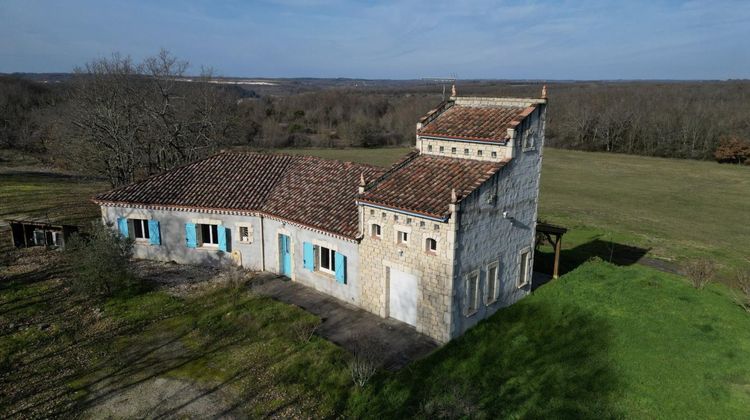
(444, 81)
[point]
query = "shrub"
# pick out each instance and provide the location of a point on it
(733, 150)
(743, 284)
(100, 260)
(304, 329)
(700, 271)
(364, 364)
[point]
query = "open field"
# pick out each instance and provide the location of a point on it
(603, 341)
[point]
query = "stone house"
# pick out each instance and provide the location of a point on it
(441, 240)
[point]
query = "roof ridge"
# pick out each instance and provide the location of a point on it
(395, 167)
(302, 156)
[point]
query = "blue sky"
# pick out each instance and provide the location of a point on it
(585, 39)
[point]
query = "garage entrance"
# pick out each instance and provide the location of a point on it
(402, 301)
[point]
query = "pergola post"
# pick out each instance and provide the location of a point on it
(558, 246)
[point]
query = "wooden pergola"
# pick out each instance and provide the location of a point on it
(553, 234)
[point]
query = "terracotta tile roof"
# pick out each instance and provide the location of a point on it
(423, 183)
(488, 123)
(315, 192)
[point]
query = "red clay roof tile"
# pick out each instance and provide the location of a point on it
(315, 192)
(489, 123)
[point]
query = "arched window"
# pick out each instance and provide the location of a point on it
(431, 245)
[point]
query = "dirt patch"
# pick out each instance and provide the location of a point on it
(183, 280)
(164, 398)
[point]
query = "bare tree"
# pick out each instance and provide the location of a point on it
(139, 119)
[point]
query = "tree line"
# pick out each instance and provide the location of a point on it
(123, 120)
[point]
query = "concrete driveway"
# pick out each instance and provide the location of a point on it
(348, 326)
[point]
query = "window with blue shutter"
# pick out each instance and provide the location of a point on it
(122, 225)
(153, 232)
(308, 256)
(340, 268)
(190, 238)
(222, 235)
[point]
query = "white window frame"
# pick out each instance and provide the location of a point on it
(376, 231)
(491, 298)
(331, 260)
(402, 237)
(249, 228)
(145, 235)
(427, 245)
(523, 275)
(209, 243)
(476, 299)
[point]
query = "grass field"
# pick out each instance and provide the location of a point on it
(603, 342)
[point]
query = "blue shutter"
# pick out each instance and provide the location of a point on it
(153, 232)
(190, 240)
(122, 225)
(340, 268)
(309, 256)
(222, 231)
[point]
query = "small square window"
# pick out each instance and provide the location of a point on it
(382, 215)
(429, 147)
(442, 149)
(140, 228)
(245, 234)
(395, 217)
(466, 152)
(408, 220)
(372, 212)
(327, 263)
(430, 245)
(494, 154)
(453, 150)
(437, 226)
(421, 223)
(479, 153)
(403, 237)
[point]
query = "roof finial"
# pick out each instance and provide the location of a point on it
(544, 91)
(362, 179)
(453, 89)
(454, 197)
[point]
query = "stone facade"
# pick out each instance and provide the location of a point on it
(474, 150)
(434, 271)
(496, 223)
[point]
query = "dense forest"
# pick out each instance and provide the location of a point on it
(121, 120)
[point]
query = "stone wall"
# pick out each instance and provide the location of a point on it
(434, 272)
(324, 282)
(172, 231)
(464, 149)
(486, 237)
(261, 254)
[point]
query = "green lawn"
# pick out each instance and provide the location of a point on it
(602, 342)
(62, 353)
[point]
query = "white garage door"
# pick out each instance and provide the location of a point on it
(403, 297)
